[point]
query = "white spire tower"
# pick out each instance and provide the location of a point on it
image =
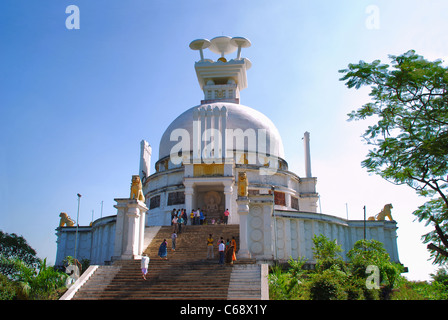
(306, 142)
(222, 80)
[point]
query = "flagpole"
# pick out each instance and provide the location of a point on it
(77, 225)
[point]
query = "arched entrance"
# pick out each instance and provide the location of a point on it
(212, 195)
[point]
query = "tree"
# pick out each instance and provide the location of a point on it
(23, 275)
(38, 284)
(326, 253)
(410, 136)
(13, 246)
(372, 252)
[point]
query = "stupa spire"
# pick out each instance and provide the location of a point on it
(222, 80)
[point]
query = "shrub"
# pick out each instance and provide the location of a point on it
(286, 285)
(326, 253)
(7, 288)
(372, 252)
(328, 285)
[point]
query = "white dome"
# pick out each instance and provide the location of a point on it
(238, 117)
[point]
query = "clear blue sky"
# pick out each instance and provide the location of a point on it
(74, 104)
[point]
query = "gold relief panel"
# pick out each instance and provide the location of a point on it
(203, 169)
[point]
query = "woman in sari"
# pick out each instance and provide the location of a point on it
(162, 250)
(229, 252)
(233, 246)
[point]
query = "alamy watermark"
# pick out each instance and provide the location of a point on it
(373, 19)
(212, 146)
(373, 280)
(73, 20)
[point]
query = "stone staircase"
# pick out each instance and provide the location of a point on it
(245, 282)
(187, 274)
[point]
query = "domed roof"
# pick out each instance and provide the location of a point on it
(238, 117)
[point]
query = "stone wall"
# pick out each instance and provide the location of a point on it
(95, 242)
(291, 232)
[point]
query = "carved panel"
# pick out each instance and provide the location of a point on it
(203, 169)
(154, 202)
(279, 198)
(176, 198)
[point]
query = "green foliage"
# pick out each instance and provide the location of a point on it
(286, 285)
(326, 253)
(8, 290)
(435, 211)
(325, 249)
(441, 276)
(439, 286)
(333, 279)
(23, 275)
(422, 290)
(13, 246)
(328, 284)
(39, 284)
(372, 252)
(410, 138)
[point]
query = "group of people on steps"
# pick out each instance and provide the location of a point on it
(180, 218)
(226, 249)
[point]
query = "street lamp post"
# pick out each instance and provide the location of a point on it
(364, 222)
(77, 225)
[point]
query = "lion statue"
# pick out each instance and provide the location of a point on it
(243, 184)
(136, 188)
(386, 212)
(66, 220)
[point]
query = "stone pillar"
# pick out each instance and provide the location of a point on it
(142, 224)
(243, 211)
(228, 193)
(119, 228)
(306, 139)
(132, 243)
(130, 228)
(145, 160)
(189, 191)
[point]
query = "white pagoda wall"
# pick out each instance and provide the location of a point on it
(291, 232)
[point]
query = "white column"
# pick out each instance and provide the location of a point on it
(119, 227)
(228, 194)
(287, 238)
(393, 237)
(189, 191)
(306, 139)
(301, 238)
(132, 216)
(142, 222)
(243, 211)
(129, 230)
(145, 159)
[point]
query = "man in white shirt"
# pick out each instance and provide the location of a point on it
(144, 265)
(221, 249)
(196, 217)
(174, 221)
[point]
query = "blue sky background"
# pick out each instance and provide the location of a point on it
(74, 104)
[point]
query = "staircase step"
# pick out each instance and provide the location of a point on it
(187, 274)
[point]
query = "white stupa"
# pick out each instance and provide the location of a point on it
(203, 154)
